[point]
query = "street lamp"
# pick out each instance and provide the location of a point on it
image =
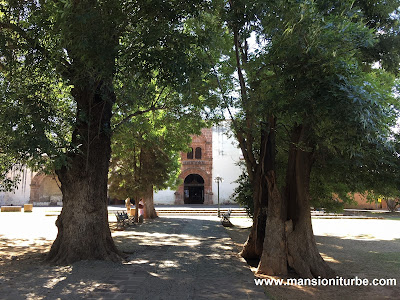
(218, 179)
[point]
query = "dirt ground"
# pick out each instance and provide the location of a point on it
(366, 248)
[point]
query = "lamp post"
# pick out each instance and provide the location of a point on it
(218, 179)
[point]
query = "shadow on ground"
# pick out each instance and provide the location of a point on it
(178, 258)
(168, 258)
(349, 257)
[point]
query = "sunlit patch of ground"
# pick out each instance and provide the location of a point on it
(367, 248)
(358, 229)
(25, 235)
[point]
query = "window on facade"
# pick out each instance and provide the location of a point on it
(197, 153)
(190, 154)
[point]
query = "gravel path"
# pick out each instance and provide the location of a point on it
(168, 258)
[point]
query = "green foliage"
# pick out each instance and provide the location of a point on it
(164, 94)
(146, 153)
(243, 194)
(7, 169)
(36, 108)
(383, 17)
(35, 103)
(141, 161)
(350, 110)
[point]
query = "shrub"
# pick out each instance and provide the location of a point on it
(392, 204)
(243, 194)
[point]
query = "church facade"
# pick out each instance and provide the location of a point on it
(196, 171)
(212, 154)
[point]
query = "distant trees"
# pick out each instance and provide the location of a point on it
(146, 153)
(165, 95)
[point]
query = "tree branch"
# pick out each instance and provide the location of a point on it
(159, 96)
(249, 157)
(33, 43)
(138, 113)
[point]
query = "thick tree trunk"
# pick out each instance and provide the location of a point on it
(149, 210)
(274, 258)
(91, 44)
(252, 249)
(303, 254)
(83, 230)
(289, 237)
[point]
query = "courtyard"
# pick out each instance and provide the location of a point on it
(182, 257)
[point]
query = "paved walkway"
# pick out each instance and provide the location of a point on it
(178, 258)
(168, 258)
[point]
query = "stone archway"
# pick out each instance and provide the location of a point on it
(207, 177)
(45, 190)
(193, 192)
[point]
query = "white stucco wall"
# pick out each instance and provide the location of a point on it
(166, 197)
(226, 155)
(19, 196)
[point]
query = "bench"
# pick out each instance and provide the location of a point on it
(225, 219)
(123, 220)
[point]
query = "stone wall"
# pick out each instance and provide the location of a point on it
(45, 190)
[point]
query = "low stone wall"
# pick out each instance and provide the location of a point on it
(28, 207)
(10, 208)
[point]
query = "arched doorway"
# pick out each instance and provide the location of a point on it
(193, 189)
(45, 189)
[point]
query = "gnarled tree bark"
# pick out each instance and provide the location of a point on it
(273, 258)
(149, 210)
(289, 237)
(303, 254)
(253, 248)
